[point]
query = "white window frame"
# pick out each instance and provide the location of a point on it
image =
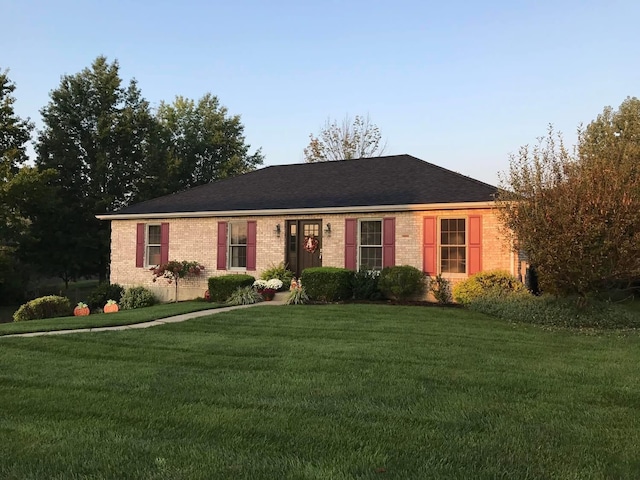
(232, 245)
(148, 244)
(465, 245)
(359, 252)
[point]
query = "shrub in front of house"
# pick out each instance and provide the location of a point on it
(137, 297)
(440, 288)
(401, 282)
(327, 284)
(552, 311)
(281, 272)
(364, 285)
(103, 293)
(50, 306)
(244, 296)
(494, 283)
(222, 287)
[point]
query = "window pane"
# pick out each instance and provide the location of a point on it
(453, 259)
(238, 233)
(154, 235)
(452, 232)
(153, 255)
(371, 258)
(238, 257)
(371, 232)
(293, 239)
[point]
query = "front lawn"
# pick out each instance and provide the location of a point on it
(123, 317)
(322, 392)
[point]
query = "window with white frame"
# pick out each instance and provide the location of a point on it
(370, 245)
(238, 245)
(453, 246)
(153, 245)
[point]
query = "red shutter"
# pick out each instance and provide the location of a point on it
(475, 244)
(388, 242)
(140, 233)
(350, 243)
(251, 245)
(222, 246)
(429, 244)
(164, 243)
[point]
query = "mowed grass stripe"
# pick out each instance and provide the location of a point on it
(344, 391)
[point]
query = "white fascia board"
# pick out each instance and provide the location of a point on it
(303, 211)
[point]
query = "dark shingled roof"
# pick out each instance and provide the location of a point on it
(390, 180)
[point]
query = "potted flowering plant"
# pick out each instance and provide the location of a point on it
(267, 288)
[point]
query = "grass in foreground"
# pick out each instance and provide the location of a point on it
(322, 392)
(123, 317)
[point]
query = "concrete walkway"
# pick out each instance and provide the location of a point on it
(278, 300)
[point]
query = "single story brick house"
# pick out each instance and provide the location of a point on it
(359, 214)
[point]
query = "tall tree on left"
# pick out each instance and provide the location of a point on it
(96, 135)
(15, 132)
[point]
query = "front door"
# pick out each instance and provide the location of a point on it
(304, 245)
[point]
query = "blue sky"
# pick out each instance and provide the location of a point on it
(459, 83)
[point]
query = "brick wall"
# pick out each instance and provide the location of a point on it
(195, 239)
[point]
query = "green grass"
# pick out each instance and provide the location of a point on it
(123, 317)
(322, 392)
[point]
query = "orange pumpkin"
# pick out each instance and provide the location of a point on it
(111, 307)
(81, 310)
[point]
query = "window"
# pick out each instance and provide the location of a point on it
(453, 250)
(370, 245)
(238, 245)
(153, 248)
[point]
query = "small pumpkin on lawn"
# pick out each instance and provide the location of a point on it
(111, 306)
(81, 310)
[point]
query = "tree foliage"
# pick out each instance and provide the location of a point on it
(95, 136)
(110, 150)
(15, 132)
(577, 214)
(204, 142)
(351, 139)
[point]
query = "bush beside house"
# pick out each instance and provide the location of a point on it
(222, 287)
(50, 306)
(328, 284)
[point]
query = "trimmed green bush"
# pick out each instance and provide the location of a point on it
(50, 306)
(222, 287)
(401, 282)
(327, 284)
(281, 272)
(137, 297)
(104, 292)
(495, 283)
(556, 312)
(364, 285)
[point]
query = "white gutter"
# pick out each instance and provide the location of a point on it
(301, 211)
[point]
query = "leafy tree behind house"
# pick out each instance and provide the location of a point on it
(577, 214)
(204, 143)
(94, 136)
(356, 138)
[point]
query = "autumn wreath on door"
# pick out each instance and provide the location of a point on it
(310, 243)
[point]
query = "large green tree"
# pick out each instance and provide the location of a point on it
(15, 132)
(577, 213)
(357, 138)
(96, 136)
(204, 143)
